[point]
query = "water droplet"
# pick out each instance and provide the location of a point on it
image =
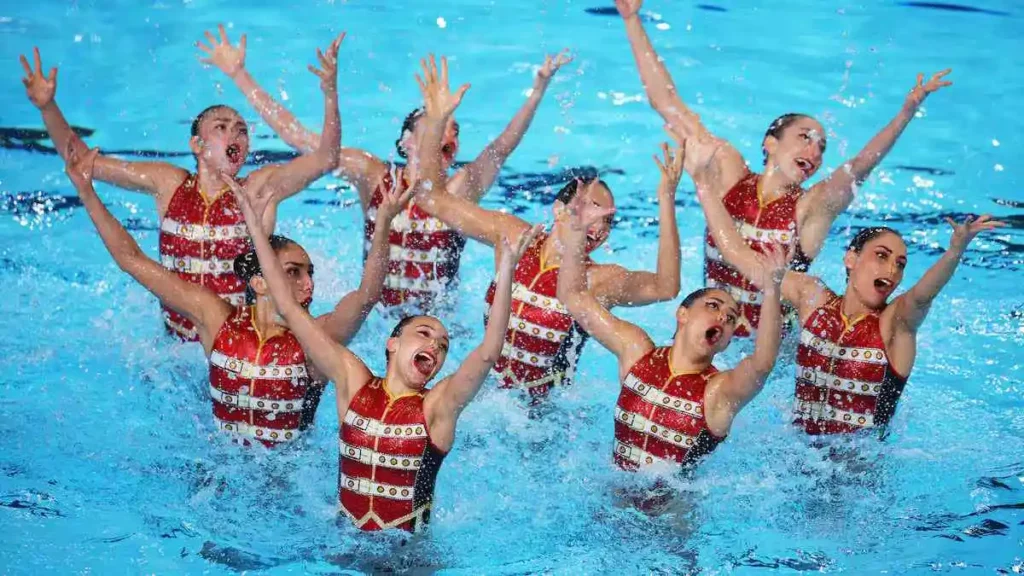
(441, 22)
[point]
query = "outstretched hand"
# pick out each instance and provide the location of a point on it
(227, 58)
(511, 252)
(628, 8)
(582, 213)
(964, 233)
(79, 168)
(395, 199)
(671, 168)
(40, 89)
(773, 264)
(438, 100)
(922, 89)
(328, 71)
(552, 64)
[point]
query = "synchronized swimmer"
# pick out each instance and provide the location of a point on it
(226, 281)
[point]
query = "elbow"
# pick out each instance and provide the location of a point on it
(668, 288)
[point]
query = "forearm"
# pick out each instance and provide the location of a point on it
(727, 238)
(668, 245)
(122, 247)
(935, 279)
(503, 146)
(769, 329)
(375, 269)
(61, 133)
(279, 118)
(658, 84)
(572, 290)
(878, 147)
(329, 146)
(497, 321)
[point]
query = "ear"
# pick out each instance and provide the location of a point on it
(681, 315)
(849, 259)
(258, 285)
(391, 345)
(770, 144)
(195, 144)
(558, 209)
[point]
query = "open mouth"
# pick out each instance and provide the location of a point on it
(805, 166)
(884, 285)
(424, 363)
(234, 153)
(448, 150)
(713, 335)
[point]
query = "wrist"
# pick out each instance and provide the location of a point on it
(240, 75)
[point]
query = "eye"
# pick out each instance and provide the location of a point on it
(883, 255)
(806, 136)
(293, 272)
(244, 130)
(310, 270)
(730, 319)
(713, 305)
(901, 264)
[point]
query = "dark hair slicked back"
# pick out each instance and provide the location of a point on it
(407, 126)
(696, 295)
(397, 330)
(569, 191)
(778, 126)
(206, 111)
(247, 265)
(866, 235)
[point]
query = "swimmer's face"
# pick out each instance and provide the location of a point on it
(449, 141)
(419, 351)
(299, 271)
(223, 140)
(598, 195)
(877, 269)
(709, 323)
(798, 150)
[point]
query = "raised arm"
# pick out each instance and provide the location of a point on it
(149, 177)
(911, 308)
(348, 316)
(469, 219)
(830, 197)
(201, 305)
(731, 390)
(452, 394)
(331, 358)
(801, 290)
(621, 287)
(286, 180)
(479, 175)
(709, 158)
(357, 166)
(627, 341)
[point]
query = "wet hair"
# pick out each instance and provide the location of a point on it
(247, 265)
(397, 330)
(407, 126)
(696, 295)
(866, 235)
(202, 115)
(568, 192)
(778, 126)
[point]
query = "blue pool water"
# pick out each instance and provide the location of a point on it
(109, 461)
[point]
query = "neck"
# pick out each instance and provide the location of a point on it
(853, 307)
(395, 384)
(683, 359)
(208, 180)
(551, 249)
(267, 320)
(774, 184)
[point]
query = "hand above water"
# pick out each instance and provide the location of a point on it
(552, 64)
(671, 169)
(922, 89)
(438, 101)
(328, 71)
(628, 8)
(40, 89)
(964, 233)
(227, 58)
